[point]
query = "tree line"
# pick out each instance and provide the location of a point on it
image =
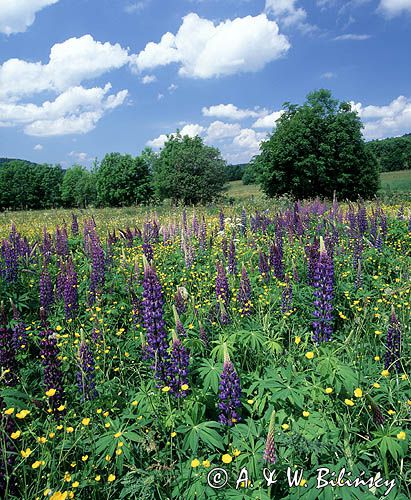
(316, 149)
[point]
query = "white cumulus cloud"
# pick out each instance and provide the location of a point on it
(231, 112)
(268, 121)
(70, 63)
(392, 8)
(147, 79)
(38, 147)
(218, 130)
(383, 121)
(191, 129)
(17, 15)
(205, 50)
(75, 111)
(286, 11)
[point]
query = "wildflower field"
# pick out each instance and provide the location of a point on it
(206, 353)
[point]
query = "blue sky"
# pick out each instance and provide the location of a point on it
(80, 78)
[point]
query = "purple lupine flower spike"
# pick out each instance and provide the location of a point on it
(179, 325)
(202, 334)
(232, 259)
(323, 296)
(222, 294)
(244, 293)
(393, 343)
(270, 455)
(46, 290)
(86, 372)
(178, 368)
(154, 323)
(50, 359)
(180, 298)
(70, 293)
(229, 393)
(74, 225)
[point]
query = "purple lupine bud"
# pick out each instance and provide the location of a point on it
(70, 294)
(383, 225)
(46, 246)
(46, 290)
(203, 235)
(53, 375)
(221, 220)
(263, 266)
(61, 242)
(9, 267)
(377, 415)
(287, 296)
(312, 255)
(362, 222)
(378, 243)
(393, 344)
(323, 297)
(153, 319)
(222, 294)
(179, 325)
(270, 455)
(148, 251)
(98, 264)
(244, 293)
(96, 335)
(180, 300)
(19, 331)
(195, 225)
(86, 372)
(276, 259)
(8, 364)
(60, 279)
(232, 259)
(229, 393)
(202, 334)
(178, 368)
(74, 225)
(188, 252)
(224, 247)
(243, 222)
(400, 213)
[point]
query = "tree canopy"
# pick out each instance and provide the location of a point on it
(188, 171)
(123, 180)
(317, 149)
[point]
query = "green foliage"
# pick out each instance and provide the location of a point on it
(188, 171)
(235, 172)
(28, 185)
(250, 174)
(393, 153)
(123, 180)
(78, 187)
(317, 149)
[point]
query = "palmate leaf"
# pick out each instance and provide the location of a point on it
(210, 374)
(204, 432)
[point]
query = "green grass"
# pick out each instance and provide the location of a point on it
(396, 181)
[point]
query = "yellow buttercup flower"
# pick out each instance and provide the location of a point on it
(358, 393)
(111, 478)
(285, 427)
(385, 373)
(302, 482)
(50, 393)
(25, 453)
(117, 434)
(9, 411)
(328, 390)
(58, 495)
(349, 402)
(401, 436)
(61, 408)
(75, 484)
(15, 435)
(36, 464)
(22, 414)
(184, 387)
(97, 478)
(173, 434)
(226, 458)
(195, 463)
(206, 463)
(166, 388)
(85, 421)
(84, 458)
(297, 340)
(309, 355)
(306, 413)
(236, 452)
(134, 403)
(376, 385)
(69, 430)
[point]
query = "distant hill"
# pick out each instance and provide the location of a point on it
(393, 153)
(8, 160)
